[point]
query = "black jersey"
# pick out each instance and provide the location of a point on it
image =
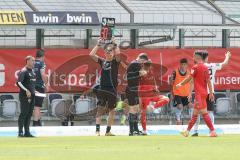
(133, 74)
(28, 78)
(39, 65)
(109, 72)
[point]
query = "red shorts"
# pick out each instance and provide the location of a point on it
(200, 101)
(146, 100)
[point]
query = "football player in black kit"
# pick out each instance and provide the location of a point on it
(107, 93)
(40, 86)
(26, 83)
(134, 72)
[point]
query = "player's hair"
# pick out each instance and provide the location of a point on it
(39, 53)
(143, 56)
(205, 55)
(28, 58)
(108, 45)
(183, 60)
(202, 53)
(148, 63)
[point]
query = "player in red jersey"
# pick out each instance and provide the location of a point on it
(148, 92)
(201, 79)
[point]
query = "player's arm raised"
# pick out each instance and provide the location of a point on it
(116, 50)
(93, 53)
(226, 60)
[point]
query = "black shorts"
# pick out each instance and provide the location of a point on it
(180, 100)
(107, 96)
(132, 96)
(210, 104)
(39, 100)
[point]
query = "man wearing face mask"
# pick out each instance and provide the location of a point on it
(107, 92)
(26, 83)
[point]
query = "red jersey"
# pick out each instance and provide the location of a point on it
(147, 85)
(200, 74)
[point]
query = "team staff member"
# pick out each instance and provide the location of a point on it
(180, 95)
(41, 82)
(26, 83)
(134, 72)
(107, 92)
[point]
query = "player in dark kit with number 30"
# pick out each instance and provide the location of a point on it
(26, 83)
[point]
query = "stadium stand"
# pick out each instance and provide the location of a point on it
(14, 4)
(10, 106)
(105, 8)
(54, 100)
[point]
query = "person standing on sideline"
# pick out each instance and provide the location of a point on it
(26, 83)
(40, 86)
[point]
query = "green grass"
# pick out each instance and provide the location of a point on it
(225, 147)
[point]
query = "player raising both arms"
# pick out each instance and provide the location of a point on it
(201, 80)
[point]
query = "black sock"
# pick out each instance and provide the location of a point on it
(108, 129)
(136, 122)
(131, 122)
(35, 123)
(97, 127)
(20, 130)
(39, 122)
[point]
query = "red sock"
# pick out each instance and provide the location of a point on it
(160, 103)
(208, 121)
(143, 119)
(192, 122)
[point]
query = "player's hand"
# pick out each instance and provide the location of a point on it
(99, 41)
(143, 72)
(82, 96)
(171, 97)
(113, 40)
(190, 98)
(46, 88)
(156, 90)
(178, 85)
(228, 54)
(211, 97)
(28, 93)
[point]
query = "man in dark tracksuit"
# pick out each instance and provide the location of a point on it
(134, 72)
(26, 83)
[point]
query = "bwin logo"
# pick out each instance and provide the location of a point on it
(79, 19)
(2, 74)
(45, 19)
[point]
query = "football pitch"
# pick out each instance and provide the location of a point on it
(121, 148)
